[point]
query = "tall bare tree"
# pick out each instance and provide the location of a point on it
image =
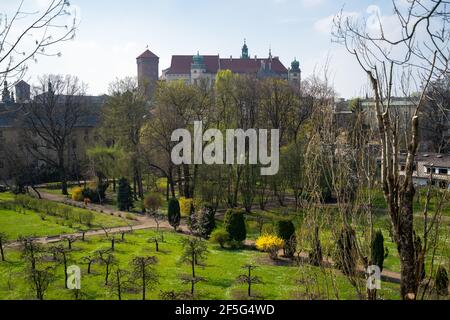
(50, 121)
(393, 62)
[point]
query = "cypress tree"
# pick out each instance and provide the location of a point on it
(124, 195)
(173, 213)
(235, 225)
(378, 252)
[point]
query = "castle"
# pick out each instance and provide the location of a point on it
(195, 68)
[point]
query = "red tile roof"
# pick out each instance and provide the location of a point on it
(182, 65)
(148, 54)
(251, 65)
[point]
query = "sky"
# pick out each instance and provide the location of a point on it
(111, 34)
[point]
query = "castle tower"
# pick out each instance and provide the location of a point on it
(198, 68)
(22, 92)
(245, 51)
(148, 71)
(295, 74)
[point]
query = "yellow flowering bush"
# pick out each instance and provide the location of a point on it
(77, 194)
(185, 205)
(271, 244)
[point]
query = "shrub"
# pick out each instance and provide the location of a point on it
(77, 194)
(267, 228)
(124, 195)
(442, 281)
(96, 192)
(207, 220)
(185, 206)
(173, 213)
(271, 244)
(286, 231)
(219, 236)
(235, 225)
(203, 222)
(153, 202)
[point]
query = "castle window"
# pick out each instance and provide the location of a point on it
(2, 164)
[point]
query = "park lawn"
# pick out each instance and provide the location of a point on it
(221, 269)
(30, 224)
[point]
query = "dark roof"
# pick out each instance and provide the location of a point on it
(11, 115)
(147, 54)
(181, 64)
(434, 159)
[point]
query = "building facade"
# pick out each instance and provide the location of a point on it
(195, 68)
(12, 114)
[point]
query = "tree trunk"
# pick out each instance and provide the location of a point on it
(143, 282)
(1, 251)
(406, 249)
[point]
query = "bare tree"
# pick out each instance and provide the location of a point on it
(249, 279)
(194, 251)
(144, 272)
(392, 62)
(90, 260)
(61, 255)
(40, 280)
(119, 282)
(27, 34)
(50, 121)
(108, 259)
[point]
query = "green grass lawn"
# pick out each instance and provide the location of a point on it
(30, 223)
(221, 269)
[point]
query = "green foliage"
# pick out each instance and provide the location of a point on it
(286, 231)
(267, 228)
(173, 213)
(378, 251)
(96, 194)
(220, 236)
(124, 195)
(441, 281)
(235, 225)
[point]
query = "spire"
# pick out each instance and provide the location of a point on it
(245, 50)
(6, 97)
